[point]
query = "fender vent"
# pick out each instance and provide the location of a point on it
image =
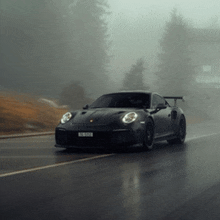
(173, 115)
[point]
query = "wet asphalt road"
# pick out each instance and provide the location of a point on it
(38, 181)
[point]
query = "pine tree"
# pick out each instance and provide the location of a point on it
(46, 44)
(74, 96)
(89, 43)
(31, 34)
(175, 69)
(134, 78)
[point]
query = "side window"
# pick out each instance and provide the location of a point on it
(157, 100)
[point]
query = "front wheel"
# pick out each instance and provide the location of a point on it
(181, 134)
(149, 136)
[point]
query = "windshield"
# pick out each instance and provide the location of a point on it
(122, 100)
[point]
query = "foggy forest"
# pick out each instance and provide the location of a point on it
(73, 51)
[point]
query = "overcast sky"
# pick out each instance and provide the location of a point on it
(200, 11)
(135, 26)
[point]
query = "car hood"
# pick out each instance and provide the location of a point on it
(99, 116)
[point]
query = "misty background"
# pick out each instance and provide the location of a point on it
(76, 50)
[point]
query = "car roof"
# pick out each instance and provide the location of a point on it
(130, 91)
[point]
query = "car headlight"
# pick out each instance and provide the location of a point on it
(129, 117)
(66, 117)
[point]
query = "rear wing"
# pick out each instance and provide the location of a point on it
(175, 98)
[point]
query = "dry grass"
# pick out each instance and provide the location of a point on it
(193, 120)
(20, 113)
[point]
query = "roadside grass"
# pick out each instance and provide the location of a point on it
(22, 113)
(194, 120)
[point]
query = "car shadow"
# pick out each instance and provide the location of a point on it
(158, 146)
(69, 151)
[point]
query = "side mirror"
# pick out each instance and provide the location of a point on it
(161, 106)
(86, 106)
(158, 108)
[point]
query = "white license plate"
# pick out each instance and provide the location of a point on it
(85, 134)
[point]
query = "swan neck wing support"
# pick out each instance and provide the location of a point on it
(175, 98)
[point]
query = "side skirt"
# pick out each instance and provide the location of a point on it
(165, 137)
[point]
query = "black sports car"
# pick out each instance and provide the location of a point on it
(122, 119)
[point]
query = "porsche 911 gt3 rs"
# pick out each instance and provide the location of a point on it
(123, 119)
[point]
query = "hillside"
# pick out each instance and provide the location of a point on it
(21, 113)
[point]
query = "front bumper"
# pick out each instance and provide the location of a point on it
(101, 139)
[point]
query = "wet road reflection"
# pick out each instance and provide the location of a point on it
(26, 153)
(131, 188)
(166, 183)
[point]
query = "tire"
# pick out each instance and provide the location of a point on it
(149, 136)
(181, 134)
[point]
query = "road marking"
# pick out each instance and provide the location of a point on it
(207, 135)
(28, 156)
(22, 141)
(80, 160)
(28, 147)
(53, 165)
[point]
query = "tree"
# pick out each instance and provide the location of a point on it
(74, 96)
(87, 34)
(134, 78)
(46, 44)
(175, 69)
(30, 61)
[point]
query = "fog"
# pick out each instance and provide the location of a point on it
(43, 50)
(136, 27)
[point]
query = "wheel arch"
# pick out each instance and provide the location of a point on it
(176, 126)
(146, 144)
(150, 118)
(181, 115)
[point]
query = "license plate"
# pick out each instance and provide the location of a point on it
(85, 134)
